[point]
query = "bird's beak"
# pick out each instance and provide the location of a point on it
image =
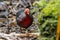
(28, 13)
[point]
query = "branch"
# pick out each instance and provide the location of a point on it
(28, 34)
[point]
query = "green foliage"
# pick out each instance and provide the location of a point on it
(48, 14)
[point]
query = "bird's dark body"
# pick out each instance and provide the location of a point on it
(24, 20)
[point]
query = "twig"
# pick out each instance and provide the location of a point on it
(28, 34)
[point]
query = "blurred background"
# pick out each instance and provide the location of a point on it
(48, 11)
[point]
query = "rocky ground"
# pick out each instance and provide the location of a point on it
(8, 23)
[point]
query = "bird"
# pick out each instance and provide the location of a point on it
(24, 18)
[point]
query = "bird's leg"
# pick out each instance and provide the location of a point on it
(23, 30)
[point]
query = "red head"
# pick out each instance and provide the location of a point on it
(27, 11)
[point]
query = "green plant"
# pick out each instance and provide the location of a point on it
(48, 16)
